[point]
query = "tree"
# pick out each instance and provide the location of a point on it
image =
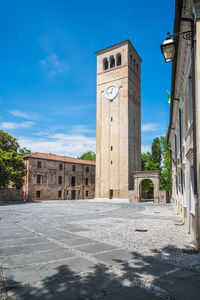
(7, 142)
(147, 163)
(90, 155)
(159, 159)
(156, 151)
(12, 168)
(165, 177)
(24, 151)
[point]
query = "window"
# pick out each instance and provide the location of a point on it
(134, 64)
(38, 164)
(111, 194)
(111, 147)
(87, 169)
(59, 194)
(105, 64)
(38, 178)
(111, 119)
(60, 167)
(73, 194)
(86, 181)
(38, 194)
(59, 179)
(131, 61)
(73, 181)
(190, 100)
(119, 59)
(86, 193)
(112, 62)
(137, 68)
(73, 168)
(111, 162)
(175, 149)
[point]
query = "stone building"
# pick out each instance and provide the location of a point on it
(54, 177)
(118, 134)
(184, 127)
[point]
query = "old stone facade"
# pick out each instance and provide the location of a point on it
(184, 127)
(118, 136)
(53, 177)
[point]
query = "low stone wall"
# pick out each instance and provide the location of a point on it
(164, 197)
(10, 195)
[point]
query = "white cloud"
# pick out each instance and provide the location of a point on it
(18, 113)
(146, 148)
(53, 65)
(61, 144)
(150, 127)
(12, 125)
(81, 129)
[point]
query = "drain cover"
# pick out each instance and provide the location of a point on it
(117, 260)
(141, 230)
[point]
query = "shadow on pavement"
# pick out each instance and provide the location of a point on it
(143, 277)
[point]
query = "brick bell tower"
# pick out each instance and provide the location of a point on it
(118, 133)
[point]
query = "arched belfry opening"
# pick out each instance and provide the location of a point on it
(146, 190)
(105, 64)
(119, 59)
(112, 62)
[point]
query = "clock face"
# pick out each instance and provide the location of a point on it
(111, 92)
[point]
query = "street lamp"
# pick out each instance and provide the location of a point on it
(168, 49)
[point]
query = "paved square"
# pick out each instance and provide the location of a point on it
(81, 249)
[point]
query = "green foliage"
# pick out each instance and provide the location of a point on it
(24, 151)
(12, 168)
(7, 142)
(159, 159)
(147, 188)
(147, 163)
(165, 177)
(90, 155)
(156, 151)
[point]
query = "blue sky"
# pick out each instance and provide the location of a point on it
(48, 68)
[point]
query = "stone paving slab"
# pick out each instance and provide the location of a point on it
(184, 286)
(26, 249)
(59, 269)
(63, 235)
(110, 257)
(74, 288)
(20, 242)
(145, 268)
(17, 236)
(41, 257)
(95, 248)
(130, 293)
(78, 242)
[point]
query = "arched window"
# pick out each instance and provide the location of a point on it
(105, 64)
(112, 62)
(119, 59)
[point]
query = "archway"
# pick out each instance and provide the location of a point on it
(146, 190)
(154, 177)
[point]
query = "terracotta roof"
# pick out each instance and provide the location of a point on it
(59, 158)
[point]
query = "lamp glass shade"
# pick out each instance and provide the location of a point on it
(168, 49)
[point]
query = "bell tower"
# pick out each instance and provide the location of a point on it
(118, 133)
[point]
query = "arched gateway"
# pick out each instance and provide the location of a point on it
(139, 176)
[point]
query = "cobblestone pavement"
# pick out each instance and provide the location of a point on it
(87, 250)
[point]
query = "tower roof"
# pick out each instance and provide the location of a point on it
(115, 46)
